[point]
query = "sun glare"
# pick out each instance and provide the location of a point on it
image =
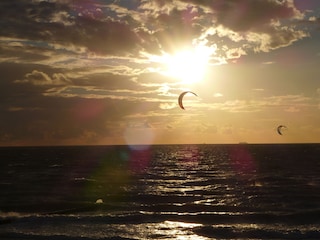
(188, 65)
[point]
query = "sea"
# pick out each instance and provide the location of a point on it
(231, 191)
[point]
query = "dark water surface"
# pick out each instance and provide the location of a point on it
(241, 191)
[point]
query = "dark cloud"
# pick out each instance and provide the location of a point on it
(283, 37)
(59, 119)
(19, 52)
(248, 15)
(58, 22)
(176, 28)
(304, 5)
(107, 29)
(258, 22)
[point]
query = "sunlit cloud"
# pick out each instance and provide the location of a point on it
(292, 109)
(167, 105)
(289, 103)
(40, 78)
(217, 95)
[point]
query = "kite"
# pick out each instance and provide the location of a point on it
(279, 129)
(181, 97)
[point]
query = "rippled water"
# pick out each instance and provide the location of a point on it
(238, 191)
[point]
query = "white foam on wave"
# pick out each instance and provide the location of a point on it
(99, 201)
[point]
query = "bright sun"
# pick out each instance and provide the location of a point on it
(188, 65)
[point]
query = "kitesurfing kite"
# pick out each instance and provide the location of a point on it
(280, 128)
(181, 97)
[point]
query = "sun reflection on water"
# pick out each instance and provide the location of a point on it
(178, 230)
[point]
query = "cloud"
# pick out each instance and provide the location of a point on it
(76, 70)
(239, 106)
(288, 103)
(292, 109)
(243, 15)
(218, 95)
(275, 38)
(57, 22)
(41, 78)
(167, 105)
(235, 53)
(252, 24)
(153, 26)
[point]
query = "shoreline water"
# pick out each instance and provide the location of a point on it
(163, 192)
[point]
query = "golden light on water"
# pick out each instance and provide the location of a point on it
(178, 230)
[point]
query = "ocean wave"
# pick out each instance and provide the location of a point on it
(245, 232)
(72, 227)
(95, 196)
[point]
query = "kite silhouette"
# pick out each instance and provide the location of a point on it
(181, 98)
(280, 128)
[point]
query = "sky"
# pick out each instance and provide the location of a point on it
(102, 72)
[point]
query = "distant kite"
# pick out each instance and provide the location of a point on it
(181, 97)
(280, 128)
